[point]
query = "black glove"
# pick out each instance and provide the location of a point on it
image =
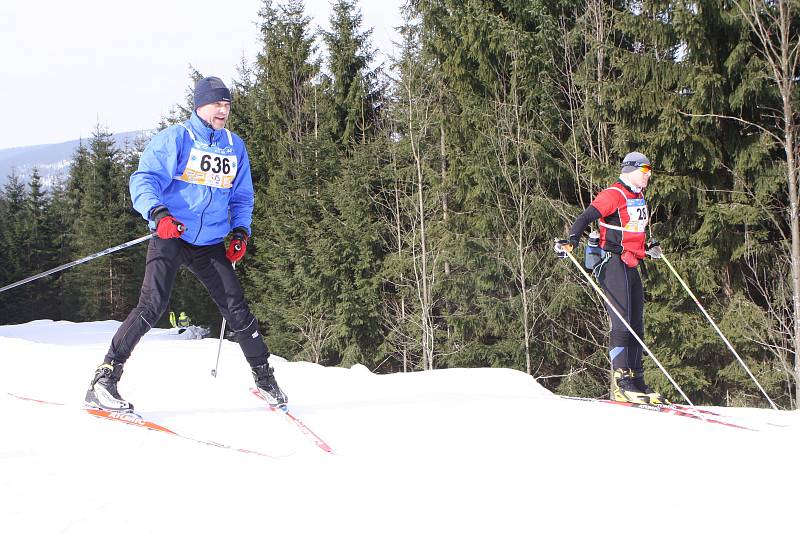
(653, 249)
(562, 246)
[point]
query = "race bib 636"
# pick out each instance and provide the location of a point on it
(210, 168)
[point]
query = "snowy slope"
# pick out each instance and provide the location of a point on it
(460, 450)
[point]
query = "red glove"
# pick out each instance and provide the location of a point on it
(238, 245)
(629, 259)
(168, 227)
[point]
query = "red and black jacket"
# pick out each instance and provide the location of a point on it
(623, 216)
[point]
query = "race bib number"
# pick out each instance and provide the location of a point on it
(637, 215)
(210, 168)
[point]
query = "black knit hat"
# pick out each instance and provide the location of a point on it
(209, 90)
(634, 160)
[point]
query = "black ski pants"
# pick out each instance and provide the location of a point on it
(623, 287)
(209, 264)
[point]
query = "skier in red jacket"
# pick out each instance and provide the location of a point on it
(622, 215)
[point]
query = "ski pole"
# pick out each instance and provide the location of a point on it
(710, 320)
(630, 329)
(221, 336)
(77, 262)
(219, 348)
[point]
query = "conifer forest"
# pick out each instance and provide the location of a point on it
(406, 209)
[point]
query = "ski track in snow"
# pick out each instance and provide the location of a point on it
(456, 450)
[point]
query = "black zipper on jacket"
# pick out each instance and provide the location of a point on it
(203, 214)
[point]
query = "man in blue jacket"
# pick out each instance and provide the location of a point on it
(194, 187)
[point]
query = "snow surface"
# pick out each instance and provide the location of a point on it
(458, 450)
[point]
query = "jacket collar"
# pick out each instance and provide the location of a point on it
(628, 186)
(203, 130)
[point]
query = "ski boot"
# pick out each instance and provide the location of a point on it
(268, 386)
(625, 388)
(654, 396)
(102, 392)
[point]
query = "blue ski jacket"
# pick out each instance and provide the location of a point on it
(201, 175)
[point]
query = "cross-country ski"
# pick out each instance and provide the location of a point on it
(139, 421)
(283, 412)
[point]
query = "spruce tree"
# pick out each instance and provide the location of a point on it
(353, 88)
(349, 255)
(283, 113)
(105, 219)
(41, 249)
(243, 103)
(59, 222)
(289, 166)
(13, 303)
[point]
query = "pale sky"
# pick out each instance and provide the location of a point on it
(67, 66)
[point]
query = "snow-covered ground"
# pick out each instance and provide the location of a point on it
(449, 451)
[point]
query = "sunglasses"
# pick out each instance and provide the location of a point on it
(646, 167)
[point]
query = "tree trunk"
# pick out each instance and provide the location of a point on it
(795, 227)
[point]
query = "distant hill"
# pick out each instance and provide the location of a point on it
(53, 160)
